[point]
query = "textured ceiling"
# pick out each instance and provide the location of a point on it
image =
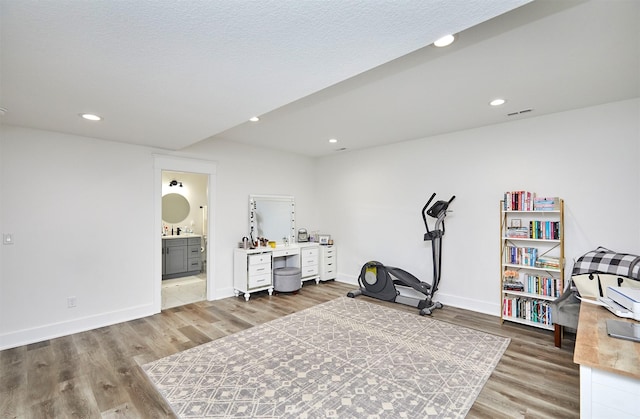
(169, 73)
(546, 56)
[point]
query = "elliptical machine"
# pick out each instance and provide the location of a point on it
(399, 286)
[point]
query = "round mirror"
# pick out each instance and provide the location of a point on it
(175, 208)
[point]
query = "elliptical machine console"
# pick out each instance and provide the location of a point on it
(388, 283)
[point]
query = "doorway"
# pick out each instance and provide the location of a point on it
(184, 220)
(199, 220)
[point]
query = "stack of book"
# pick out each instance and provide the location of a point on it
(547, 262)
(513, 286)
(545, 203)
(518, 232)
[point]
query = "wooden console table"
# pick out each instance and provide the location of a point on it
(609, 367)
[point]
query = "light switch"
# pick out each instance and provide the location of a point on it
(7, 238)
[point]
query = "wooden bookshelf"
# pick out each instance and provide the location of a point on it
(531, 258)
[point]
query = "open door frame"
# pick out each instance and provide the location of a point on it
(182, 164)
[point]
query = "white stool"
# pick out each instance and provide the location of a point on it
(287, 279)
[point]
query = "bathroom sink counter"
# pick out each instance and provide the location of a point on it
(181, 236)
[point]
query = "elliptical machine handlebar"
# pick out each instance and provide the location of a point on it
(439, 211)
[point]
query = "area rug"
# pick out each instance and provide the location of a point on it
(346, 358)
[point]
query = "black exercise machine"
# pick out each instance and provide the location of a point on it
(397, 285)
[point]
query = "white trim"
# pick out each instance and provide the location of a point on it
(56, 330)
(176, 163)
(223, 293)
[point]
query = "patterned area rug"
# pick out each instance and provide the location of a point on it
(346, 358)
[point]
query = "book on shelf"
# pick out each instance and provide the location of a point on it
(518, 201)
(542, 203)
(511, 281)
(547, 230)
(528, 201)
(547, 262)
(518, 232)
(547, 286)
(530, 309)
(521, 255)
(513, 286)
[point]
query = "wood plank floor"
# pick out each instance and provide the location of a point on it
(96, 374)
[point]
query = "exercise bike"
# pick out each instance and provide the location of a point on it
(399, 286)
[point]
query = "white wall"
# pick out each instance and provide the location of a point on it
(81, 212)
(371, 200)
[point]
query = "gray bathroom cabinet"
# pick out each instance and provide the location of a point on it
(181, 256)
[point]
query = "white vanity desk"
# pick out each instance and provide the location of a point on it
(253, 268)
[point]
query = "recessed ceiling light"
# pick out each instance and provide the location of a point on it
(445, 41)
(91, 117)
(333, 140)
(497, 102)
(254, 119)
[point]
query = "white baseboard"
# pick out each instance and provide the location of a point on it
(219, 294)
(56, 330)
(478, 306)
(347, 279)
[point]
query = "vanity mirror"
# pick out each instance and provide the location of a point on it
(175, 208)
(272, 217)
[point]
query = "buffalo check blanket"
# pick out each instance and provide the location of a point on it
(607, 261)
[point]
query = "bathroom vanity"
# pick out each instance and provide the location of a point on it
(181, 256)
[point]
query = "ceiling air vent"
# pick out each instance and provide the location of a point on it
(519, 112)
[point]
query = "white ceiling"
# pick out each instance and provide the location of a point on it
(548, 56)
(169, 74)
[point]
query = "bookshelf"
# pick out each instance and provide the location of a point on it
(531, 257)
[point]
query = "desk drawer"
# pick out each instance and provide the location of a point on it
(312, 252)
(328, 250)
(328, 272)
(309, 270)
(309, 260)
(329, 260)
(263, 268)
(259, 259)
(259, 280)
(285, 252)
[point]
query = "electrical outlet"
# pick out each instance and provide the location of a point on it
(71, 302)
